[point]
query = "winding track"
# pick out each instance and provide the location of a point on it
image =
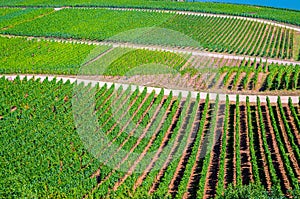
(197, 52)
(212, 96)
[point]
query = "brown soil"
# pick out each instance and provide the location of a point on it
(173, 150)
(239, 84)
(287, 144)
(261, 157)
(212, 177)
(230, 173)
(219, 83)
(131, 169)
(292, 124)
(250, 85)
(173, 187)
(195, 176)
(158, 152)
(246, 166)
(273, 147)
(230, 85)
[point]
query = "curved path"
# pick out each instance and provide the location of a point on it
(196, 52)
(212, 96)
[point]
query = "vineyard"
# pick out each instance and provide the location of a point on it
(135, 65)
(194, 72)
(19, 55)
(214, 34)
(148, 99)
(14, 16)
(89, 24)
(222, 35)
(221, 143)
(250, 75)
(282, 15)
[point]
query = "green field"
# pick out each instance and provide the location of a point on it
(51, 159)
(41, 159)
(20, 55)
(10, 17)
(88, 23)
(79, 117)
(282, 15)
(210, 33)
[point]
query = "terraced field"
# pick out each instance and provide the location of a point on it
(165, 145)
(288, 16)
(211, 33)
(130, 102)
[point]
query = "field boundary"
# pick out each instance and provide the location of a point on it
(184, 93)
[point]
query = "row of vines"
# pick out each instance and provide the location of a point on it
(92, 141)
(215, 34)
